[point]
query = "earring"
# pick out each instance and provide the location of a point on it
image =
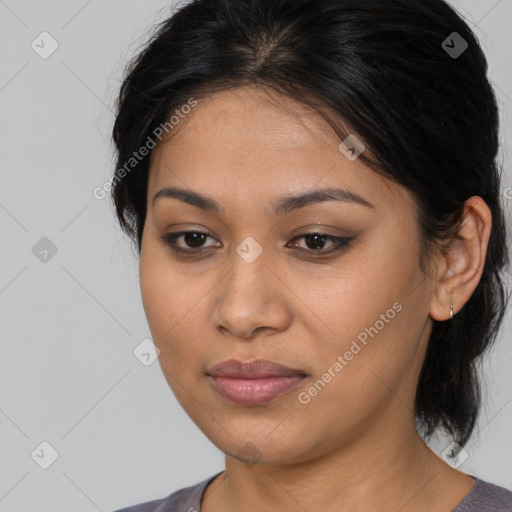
(451, 311)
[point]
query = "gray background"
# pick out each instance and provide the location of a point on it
(68, 375)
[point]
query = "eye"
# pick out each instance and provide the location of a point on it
(194, 242)
(315, 242)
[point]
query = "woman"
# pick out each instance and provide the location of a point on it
(313, 191)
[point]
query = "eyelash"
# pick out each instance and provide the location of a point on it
(339, 242)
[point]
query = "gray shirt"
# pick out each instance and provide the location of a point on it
(483, 497)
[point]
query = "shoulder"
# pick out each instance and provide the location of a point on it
(186, 499)
(486, 496)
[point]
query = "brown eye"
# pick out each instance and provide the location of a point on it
(193, 240)
(315, 242)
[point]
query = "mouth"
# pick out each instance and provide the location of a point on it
(254, 382)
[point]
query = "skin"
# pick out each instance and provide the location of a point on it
(354, 446)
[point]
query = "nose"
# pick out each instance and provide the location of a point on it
(252, 299)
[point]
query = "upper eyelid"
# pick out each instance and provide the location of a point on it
(178, 234)
(201, 232)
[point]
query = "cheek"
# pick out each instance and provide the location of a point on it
(166, 305)
(364, 290)
(359, 374)
(174, 309)
(369, 340)
(163, 304)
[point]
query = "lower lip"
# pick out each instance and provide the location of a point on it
(254, 391)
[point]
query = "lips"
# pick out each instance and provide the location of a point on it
(252, 370)
(254, 382)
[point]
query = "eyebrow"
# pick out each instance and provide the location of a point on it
(280, 207)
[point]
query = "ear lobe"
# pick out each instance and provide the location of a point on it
(461, 265)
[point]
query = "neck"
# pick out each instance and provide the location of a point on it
(401, 475)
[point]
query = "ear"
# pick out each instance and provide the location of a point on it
(461, 264)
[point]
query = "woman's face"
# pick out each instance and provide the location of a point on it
(352, 317)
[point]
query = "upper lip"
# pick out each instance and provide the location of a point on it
(257, 369)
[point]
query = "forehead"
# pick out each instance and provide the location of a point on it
(260, 144)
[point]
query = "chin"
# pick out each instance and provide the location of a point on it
(257, 447)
